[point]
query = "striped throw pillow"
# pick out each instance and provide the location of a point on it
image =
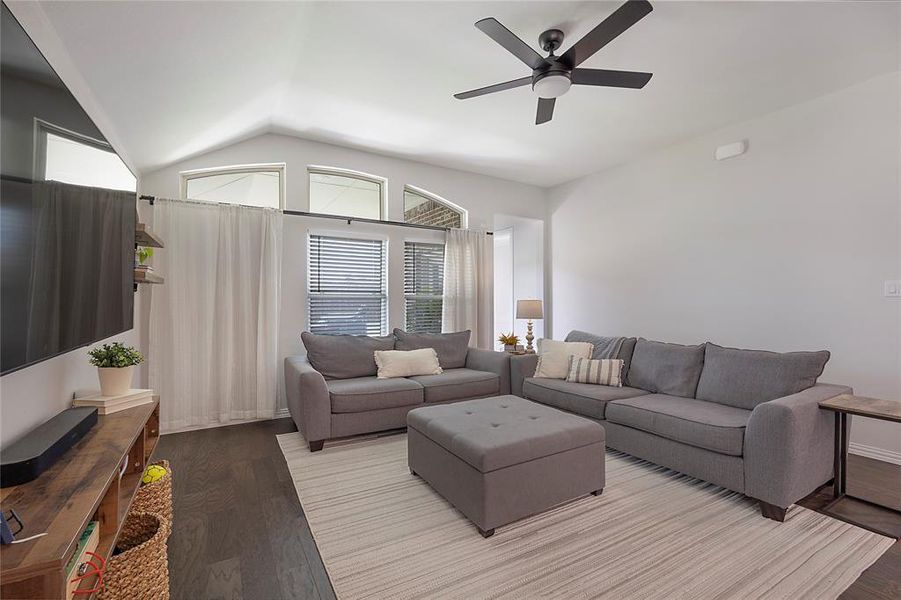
(605, 371)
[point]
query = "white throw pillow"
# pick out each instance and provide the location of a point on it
(553, 357)
(407, 363)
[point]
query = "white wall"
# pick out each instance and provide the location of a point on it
(784, 248)
(483, 197)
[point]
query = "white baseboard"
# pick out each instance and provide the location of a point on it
(873, 452)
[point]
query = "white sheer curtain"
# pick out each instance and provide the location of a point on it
(469, 285)
(214, 322)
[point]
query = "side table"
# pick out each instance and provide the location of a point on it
(842, 406)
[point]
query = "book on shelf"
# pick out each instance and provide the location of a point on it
(107, 405)
(78, 564)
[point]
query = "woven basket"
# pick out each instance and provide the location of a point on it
(142, 569)
(156, 497)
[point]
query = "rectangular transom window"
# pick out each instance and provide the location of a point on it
(69, 157)
(423, 286)
(347, 286)
(345, 193)
(248, 185)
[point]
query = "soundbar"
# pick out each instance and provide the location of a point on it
(44, 445)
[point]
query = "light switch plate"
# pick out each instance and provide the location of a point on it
(893, 289)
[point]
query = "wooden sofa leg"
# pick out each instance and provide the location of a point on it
(486, 534)
(316, 446)
(771, 511)
(597, 492)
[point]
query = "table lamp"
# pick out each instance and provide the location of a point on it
(529, 309)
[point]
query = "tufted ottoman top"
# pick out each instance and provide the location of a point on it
(494, 433)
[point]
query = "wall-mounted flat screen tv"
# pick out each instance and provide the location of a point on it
(67, 215)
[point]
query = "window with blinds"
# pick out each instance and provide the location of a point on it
(347, 286)
(423, 286)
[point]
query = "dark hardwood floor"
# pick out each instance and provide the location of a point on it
(239, 530)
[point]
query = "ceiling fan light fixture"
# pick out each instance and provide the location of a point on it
(552, 85)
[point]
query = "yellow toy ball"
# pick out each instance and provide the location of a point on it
(153, 473)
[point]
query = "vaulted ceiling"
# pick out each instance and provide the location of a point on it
(175, 79)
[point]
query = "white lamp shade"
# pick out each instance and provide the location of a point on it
(529, 309)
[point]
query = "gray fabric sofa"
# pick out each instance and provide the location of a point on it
(333, 391)
(747, 420)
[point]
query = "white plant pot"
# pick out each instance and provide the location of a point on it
(115, 381)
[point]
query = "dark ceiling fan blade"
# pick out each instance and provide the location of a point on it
(497, 87)
(545, 110)
(624, 17)
(506, 38)
(621, 79)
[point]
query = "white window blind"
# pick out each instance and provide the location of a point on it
(347, 287)
(423, 286)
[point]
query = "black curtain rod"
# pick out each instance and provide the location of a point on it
(349, 220)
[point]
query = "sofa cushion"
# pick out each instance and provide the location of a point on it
(745, 378)
(554, 357)
(456, 384)
(344, 356)
(362, 394)
(581, 398)
(662, 368)
(601, 345)
(694, 422)
(451, 347)
(495, 433)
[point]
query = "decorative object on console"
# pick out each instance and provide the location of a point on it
(115, 365)
(509, 340)
(27, 458)
(554, 357)
(107, 405)
(407, 363)
(529, 309)
(604, 371)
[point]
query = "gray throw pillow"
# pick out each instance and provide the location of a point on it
(344, 356)
(662, 368)
(602, 344)
(745, 378)
(452, 348)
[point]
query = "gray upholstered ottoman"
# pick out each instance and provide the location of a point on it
(501, 459)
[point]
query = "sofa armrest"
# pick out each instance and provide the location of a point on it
(522, 366)
(789, 443)
(308, 398)
(493, 362)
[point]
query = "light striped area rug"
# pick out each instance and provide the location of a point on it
(654, 533)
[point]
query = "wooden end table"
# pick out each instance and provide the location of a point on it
(842, 406)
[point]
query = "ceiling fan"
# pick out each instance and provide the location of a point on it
(552, 76)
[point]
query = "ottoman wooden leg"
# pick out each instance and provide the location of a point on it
(485, 534)
(316, 445)
(597, 492)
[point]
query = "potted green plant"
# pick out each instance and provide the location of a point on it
(115, 366)
(142, 254)
(509, 340)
